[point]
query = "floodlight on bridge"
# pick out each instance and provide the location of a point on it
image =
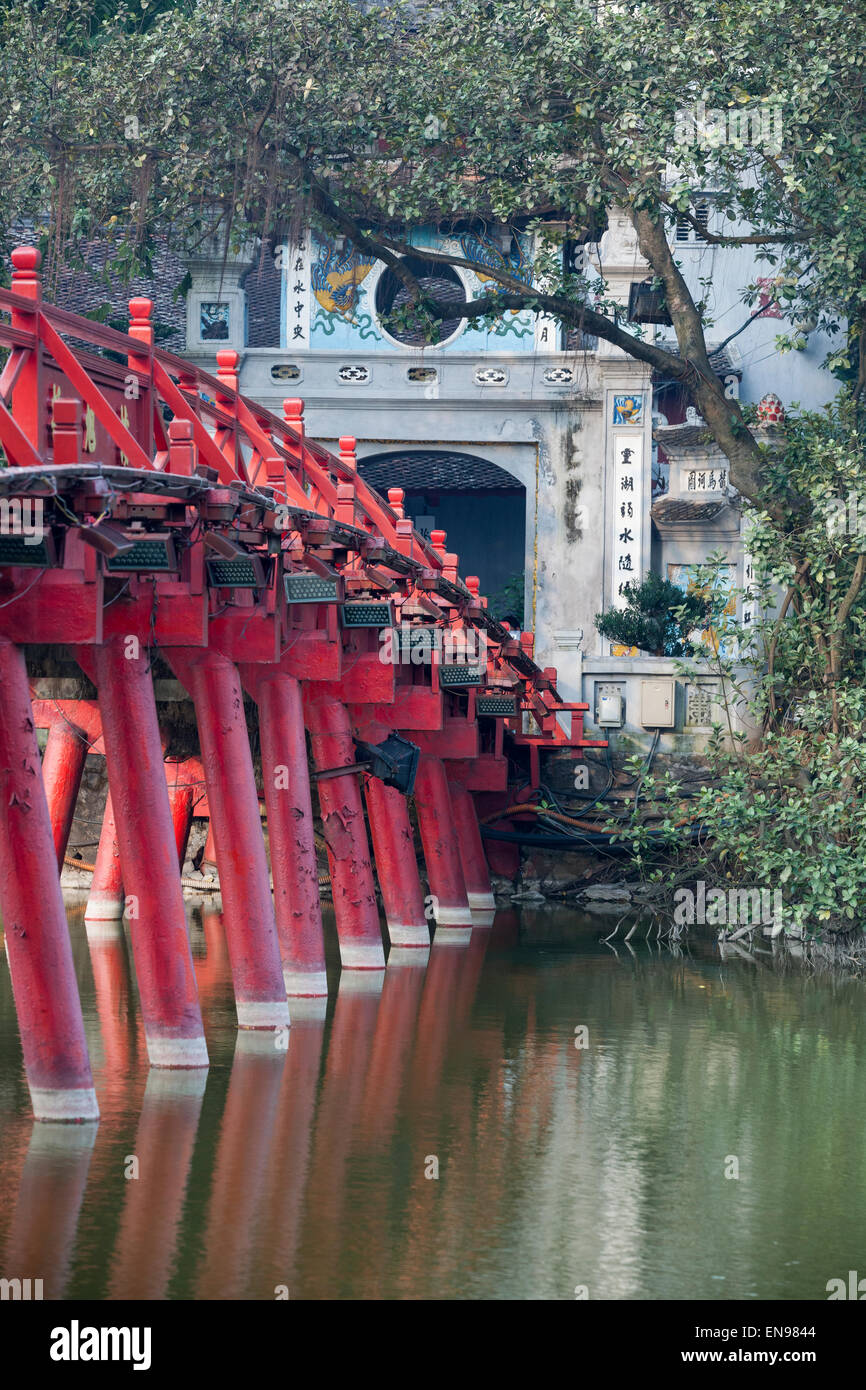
(151, 552)
(304, 586)
(109, 540)
(452, 676)
(26, 552)
(499, 706)
(242, 572)
(376, 613)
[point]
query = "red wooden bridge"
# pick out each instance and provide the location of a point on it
(250, 560)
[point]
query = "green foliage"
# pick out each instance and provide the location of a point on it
(658, 617)
(510, 598)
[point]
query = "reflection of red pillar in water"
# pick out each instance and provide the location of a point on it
(286, 777)
(245, 1143)
(396, 865)
(233, 802)
(337, 1118)
(42, 1234)
(289, 1161)
(441, 850)
(31, 907)
(392, 1044)
(105, 900)
(117, 1020)
(475, 870)
(62, 766)
(343, 826)
(154, 899)
(153, 1206)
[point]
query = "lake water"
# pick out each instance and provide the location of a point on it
(706, 1142)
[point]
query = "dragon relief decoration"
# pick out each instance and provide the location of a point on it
(336, 276)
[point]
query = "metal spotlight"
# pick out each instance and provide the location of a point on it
(150, 553)
(367, 613)
(243, 572)
(499, 706)
(303, 586)
(459, 676)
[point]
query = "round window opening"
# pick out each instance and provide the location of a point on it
(414, 328)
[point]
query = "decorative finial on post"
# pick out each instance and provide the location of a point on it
(293, 413)
(395, 500)
(473, 584)
(437, 540)
(347, 452)
(227, 367)
(26, 279)
(140, 326)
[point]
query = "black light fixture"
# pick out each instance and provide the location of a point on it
(394, 761)
(151, 552)
(646, 303)
(241, 572)
(304, 586)
(27, 553)
(457, 677)
(368, 612)
(109, 540)
(223, 545)
(499, 706)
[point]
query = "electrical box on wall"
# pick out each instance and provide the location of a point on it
(658, 704)
(609, 706)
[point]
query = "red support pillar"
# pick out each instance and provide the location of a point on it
(442, 851)
(154, 900)
(352, 883)
(34, 920)
(105, 900)
(213, 682)
(180, 800)
(396, 865)
(62, 766)
(294, 866)
(472, 857)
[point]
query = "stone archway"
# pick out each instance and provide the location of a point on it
(480, 506)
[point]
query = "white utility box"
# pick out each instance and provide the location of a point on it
(658, 704)
(609, 709)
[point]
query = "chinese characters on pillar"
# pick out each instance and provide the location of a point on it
(627, 516)
(750, 587)
(297, 292)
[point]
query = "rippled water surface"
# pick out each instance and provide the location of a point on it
(559, 1166)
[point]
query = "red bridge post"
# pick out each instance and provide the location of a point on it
(396, 865)
(346, 836)
(34, 920)
(62, 766)
(472, 856)
(286, 777)
(180, 800)
(154, 902)
(105, 900)
(214, 684)
(442, 851)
